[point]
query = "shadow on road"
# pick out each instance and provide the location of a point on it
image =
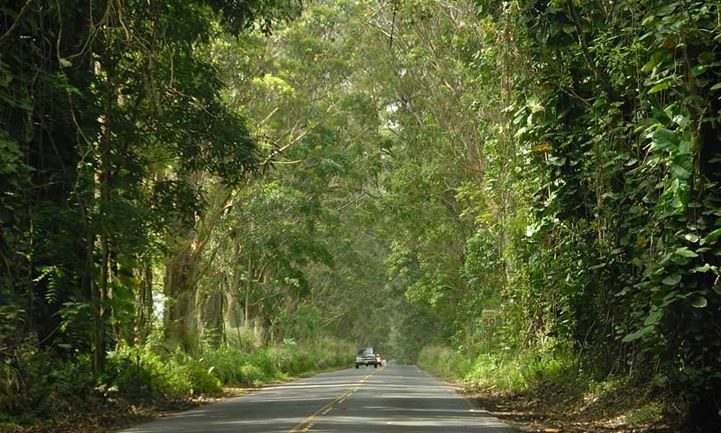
(396, 399)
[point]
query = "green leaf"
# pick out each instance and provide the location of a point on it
(685, 252)
(680, 172)
(638, 334)
(653, 318)
(691, 237)
(666, 9)
(699, 69)
(699, 301)
(660, 87)
(663, 138)
(680, 120)
(65, 63)
(672, 280)
(656, 58)
(705, 268)
(711, 237)
(520, 132)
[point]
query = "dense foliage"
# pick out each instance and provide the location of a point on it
(529, 183)
(596, 220)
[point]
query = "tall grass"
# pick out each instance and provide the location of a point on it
(512, 371)
(234, 367)
(444, 362)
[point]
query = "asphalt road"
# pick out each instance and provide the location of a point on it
(391, 399)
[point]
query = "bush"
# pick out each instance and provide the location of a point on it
(225, 362)
(35, 384)
(10, 382)
(138, 373)
(201, 379)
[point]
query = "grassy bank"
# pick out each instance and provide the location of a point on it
(536, 390)
(40, 392)
(510, 372)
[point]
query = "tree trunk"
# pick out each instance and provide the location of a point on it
(180, 291)
(101, 292)
(213, 318)
(144, 304)
(98, 328)
(248, 288)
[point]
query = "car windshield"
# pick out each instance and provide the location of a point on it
(366, 351)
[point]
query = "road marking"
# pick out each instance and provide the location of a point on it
(305, 425)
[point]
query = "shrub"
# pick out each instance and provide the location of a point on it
(225, 362)
(200, 377)
(9, 385)
(138, 373)
(34, 385)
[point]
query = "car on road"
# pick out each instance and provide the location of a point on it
(367, 356)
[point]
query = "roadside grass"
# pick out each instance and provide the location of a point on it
(533, 387)
(143, 380)
(511, 372)
(236, 368)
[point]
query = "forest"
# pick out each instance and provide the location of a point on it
(204, 194)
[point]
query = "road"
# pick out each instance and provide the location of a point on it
(391, 399)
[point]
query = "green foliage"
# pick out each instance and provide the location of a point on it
(495, 176)
(37, 385)
(138, 373)
(242, 368)
(521, 371)
(593, 221)
(444, 361)
(612, 115)
(508, 371)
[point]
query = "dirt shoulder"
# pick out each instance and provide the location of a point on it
(98, 415)
(108, 417)
(623, 410)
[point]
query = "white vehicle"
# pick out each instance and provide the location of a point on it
(367, 356)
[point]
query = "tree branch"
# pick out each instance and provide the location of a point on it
(590, 61)
(14, 27)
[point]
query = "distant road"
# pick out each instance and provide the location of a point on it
(391, 399)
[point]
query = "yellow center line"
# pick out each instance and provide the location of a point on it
(307, 424)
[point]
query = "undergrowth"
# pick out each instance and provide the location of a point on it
(509, 372)
(554, 376)
(37, 387)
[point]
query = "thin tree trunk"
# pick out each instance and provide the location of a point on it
(248, 287)
(98, 352)
(105, 173)
(221, 318)
(145, 303)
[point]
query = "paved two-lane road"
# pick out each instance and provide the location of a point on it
(392, 399)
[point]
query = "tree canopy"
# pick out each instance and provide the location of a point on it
(495, 177)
